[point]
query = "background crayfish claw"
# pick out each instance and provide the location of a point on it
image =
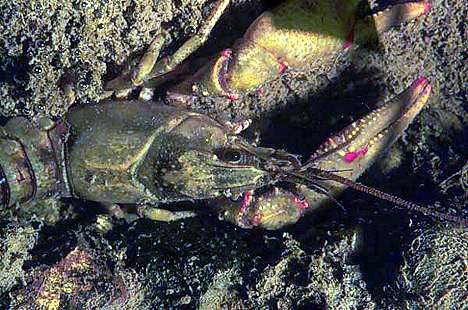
(294, 35)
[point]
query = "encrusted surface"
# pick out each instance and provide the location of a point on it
(435, 269)
(16, 241)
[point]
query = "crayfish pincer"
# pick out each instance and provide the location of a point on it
(146, 153)
(295, 35)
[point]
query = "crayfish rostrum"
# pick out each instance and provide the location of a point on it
(145, 153)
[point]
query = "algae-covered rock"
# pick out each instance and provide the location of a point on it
(435, 270)
(322, 280)
(179, 263)
(45, 45)
(223, 293)
(16, 241)
(81, 280)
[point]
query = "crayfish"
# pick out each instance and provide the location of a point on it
(144, 153)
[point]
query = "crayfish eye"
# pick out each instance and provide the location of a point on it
(231, 155)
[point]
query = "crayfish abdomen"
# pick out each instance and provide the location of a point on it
(28, 161)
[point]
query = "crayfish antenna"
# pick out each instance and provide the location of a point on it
(391, 198)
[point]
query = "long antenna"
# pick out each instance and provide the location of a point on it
(382, 195)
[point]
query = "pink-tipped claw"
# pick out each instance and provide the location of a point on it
(427, 8)
(282, 66)
(423, 84)
(233, 97)
(302, 204)
(226, 53)
(256, 219)
(351, 156)
(421, 80)
(349, 40)
(246, 201)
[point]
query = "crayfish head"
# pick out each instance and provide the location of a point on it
(227, 171)
(200, 159)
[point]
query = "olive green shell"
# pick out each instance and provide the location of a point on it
(112, 148)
